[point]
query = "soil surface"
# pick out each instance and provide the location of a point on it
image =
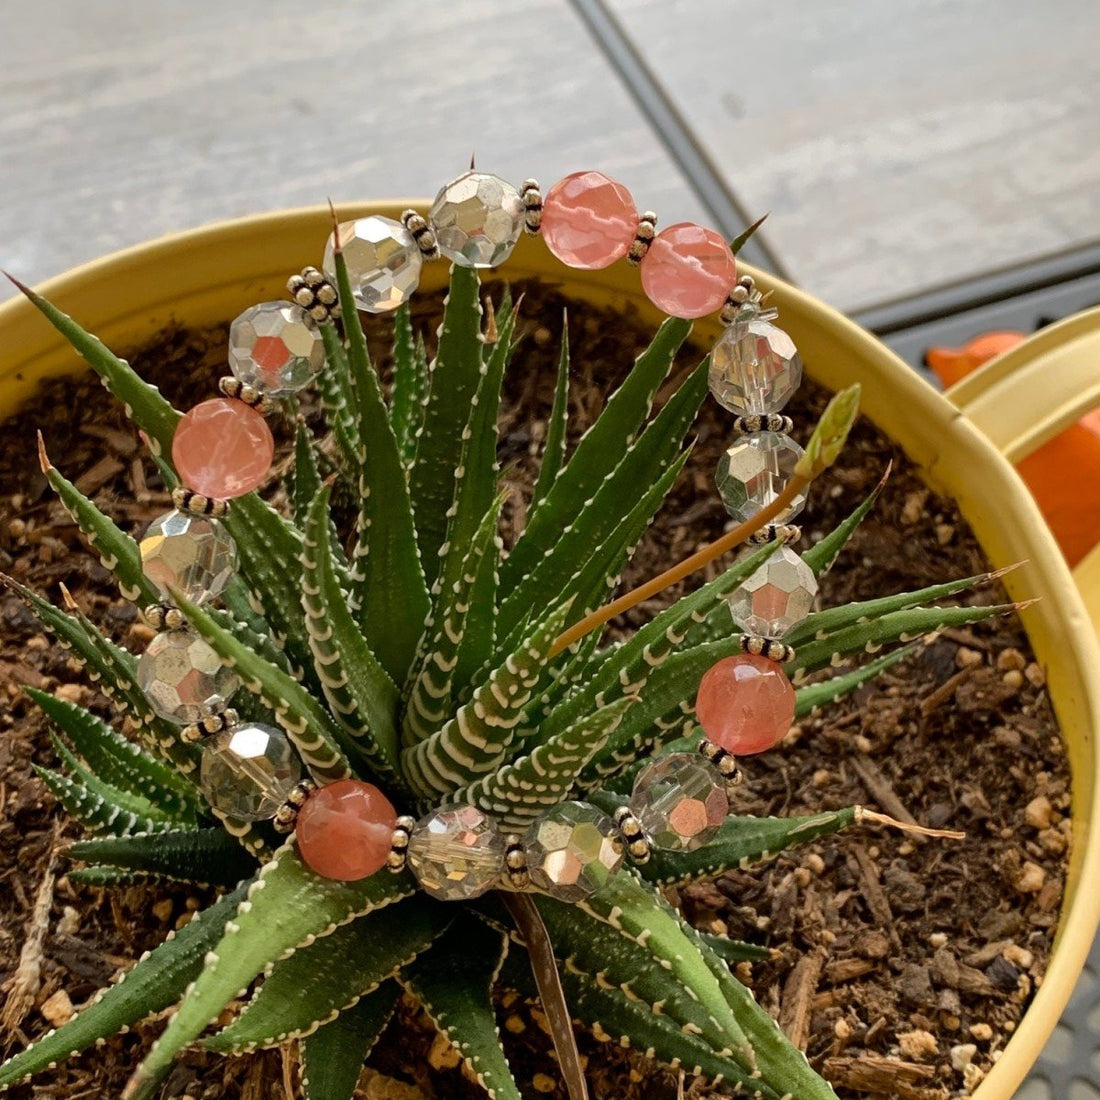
(902, 964)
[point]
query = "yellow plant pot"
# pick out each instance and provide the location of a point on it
(207, 276)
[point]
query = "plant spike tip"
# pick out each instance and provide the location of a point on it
(742, 239)
(830, 434)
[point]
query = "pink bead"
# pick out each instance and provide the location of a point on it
(688, 270)
(588, 220)
(345, 830)
(222, 449)
(745, 704)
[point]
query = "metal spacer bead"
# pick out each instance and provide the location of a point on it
(422, 233)
(315, 294)
(643, 238)
(532, 206)
(766, 422)
(724, 761)
(286, 817)
(209, 725)
(198, 505)
(768, 648)
(399, 843)
(163, 616)
(785, 532)
(515, 862)
(242, 391)
(632, 835)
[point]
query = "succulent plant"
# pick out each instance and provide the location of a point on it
(411, 651)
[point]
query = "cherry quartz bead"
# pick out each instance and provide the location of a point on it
(688, 271)
(345, 830)
(222, 448)
(745, 704)
(588, 220)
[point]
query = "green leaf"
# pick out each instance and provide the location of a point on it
(821, 555)
(320, 980)
(453, 381)
(308, 725)
(741, 842)
(830, 434)
(611, 512)
(809, 697)
(307, 477)
(333, 1056)
(287, 905)
(338, 400)
(453, 982)
(914, 622)
(521, 790)
(735, 950)
(118, 761)
(361, 694)
(144, 403)
(388, 585)
(597, 454)
(410, 384)
(458, 637)
(553, 450)
(95, 809)
(153, 984)
(118, 553)
(476, 740)
(207, 856)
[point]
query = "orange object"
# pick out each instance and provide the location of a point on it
(1064, 474)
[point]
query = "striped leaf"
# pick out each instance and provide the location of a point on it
(323, 979)
(307, 476)
(360, 694)
(118, 761)
(821, 555)
(476, 741)
(597, 454)
(410, 384)
(453, 983)
(308, 725)
(452, 383)
(100, 810)
(287, 905)
(338, 400)
(388, 585)
(553, 449)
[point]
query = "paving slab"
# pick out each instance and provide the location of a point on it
(897, 145)
(123, 121)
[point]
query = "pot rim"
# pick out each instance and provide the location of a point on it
(204, 275)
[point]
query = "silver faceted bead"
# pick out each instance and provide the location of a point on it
(753, 471)
(754, 368)
(572, 850)
(477, 219)
(456, 853)
(249, 771)
(193, 554)
(183, 678)
(383, 262)
(275, 347)
(777, 597)
(680, 800)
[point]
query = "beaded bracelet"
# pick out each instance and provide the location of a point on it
(223, 449)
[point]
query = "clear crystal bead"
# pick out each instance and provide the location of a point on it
(249, 771)
(777, 597)
(680, 801)
(572, 850)
(276, 347)
(194, 554)
(752, 473)
(383, 262)
(477, 219)
(183, 678)
(456, 853)
(754, 368)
